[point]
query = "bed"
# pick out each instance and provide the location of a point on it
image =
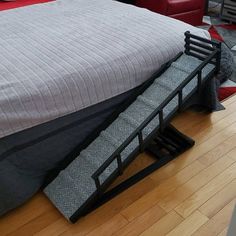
(64, 67)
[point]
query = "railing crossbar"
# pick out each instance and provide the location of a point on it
(206, 53)
(189, 35)
(196, 43)
(195, 55)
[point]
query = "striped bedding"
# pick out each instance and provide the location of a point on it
(63, 56)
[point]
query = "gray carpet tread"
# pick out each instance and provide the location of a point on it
(74, 185)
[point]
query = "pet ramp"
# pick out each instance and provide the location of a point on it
(141, 124)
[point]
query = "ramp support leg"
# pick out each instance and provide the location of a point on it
(166, 146)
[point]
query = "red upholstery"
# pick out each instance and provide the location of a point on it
(189, 11)
(19, 3)
(181, 6)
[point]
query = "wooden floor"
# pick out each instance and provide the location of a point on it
(193, 195)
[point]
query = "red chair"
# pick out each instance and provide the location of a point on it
(189, 11)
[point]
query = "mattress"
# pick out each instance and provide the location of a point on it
(60, 57)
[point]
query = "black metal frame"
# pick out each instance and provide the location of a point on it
(163, 137)
(190, 50)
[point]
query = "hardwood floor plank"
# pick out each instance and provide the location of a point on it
(204, 130)
(191, 118)
(229, 100)
(211, 118)
(223, 232)
(219, 200)
(143, 222)
(164, 225)
(193, 154)
(213, 155)
(142, 161)
(184, 191)
(151, 198)
(110, 227)
(203, 148)
(188, 206)
(229, 109)
(110, 209)
(188, 120)
(56, 228)
(24, 214)
(189, 225)
(37, 224)
(182, 176)
(232, 154)
(218, 222)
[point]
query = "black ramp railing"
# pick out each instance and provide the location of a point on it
(191, 41)
(197, 73)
